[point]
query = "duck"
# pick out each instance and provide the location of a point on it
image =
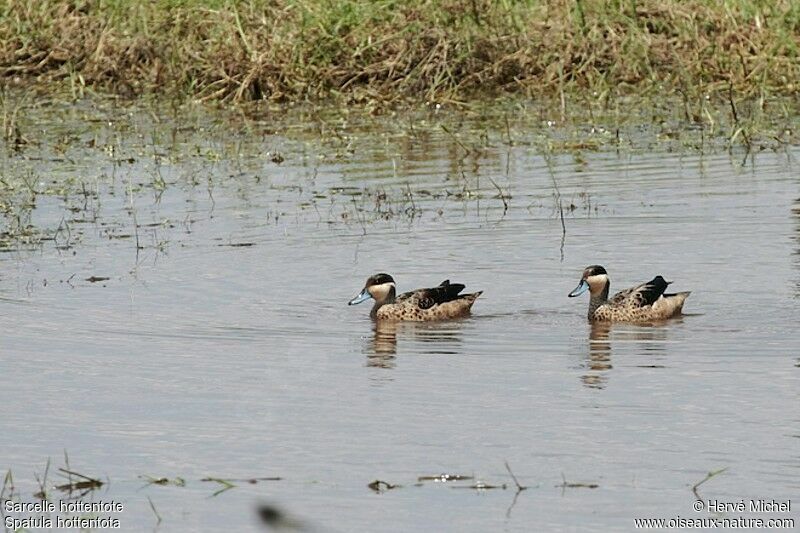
(643, 303)
(420, 305)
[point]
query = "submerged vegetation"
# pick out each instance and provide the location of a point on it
(420, 50)
(485, 80)
(80, 487)
(100, 167)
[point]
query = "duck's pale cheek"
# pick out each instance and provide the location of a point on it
(597, 282)
(381, 292)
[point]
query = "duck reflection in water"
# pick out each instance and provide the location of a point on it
(381, 348)
(419, 337)
(599, 361)
(649, 338)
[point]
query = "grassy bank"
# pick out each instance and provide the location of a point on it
(389, 50)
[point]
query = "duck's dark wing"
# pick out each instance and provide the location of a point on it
(427, 298)
(642, 295)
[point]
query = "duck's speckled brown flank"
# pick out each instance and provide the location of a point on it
(643, 303)
(421, 305)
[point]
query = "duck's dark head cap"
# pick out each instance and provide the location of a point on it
(379, 279)
(594, 270)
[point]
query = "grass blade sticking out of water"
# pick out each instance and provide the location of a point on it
(225, 485)
(520, 488)
(42, 482)
(228, 484)
(504, 197)
(710, 475)
(8, 487)
(155, 512)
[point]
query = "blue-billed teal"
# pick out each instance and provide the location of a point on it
(643, 303)
(421, 305)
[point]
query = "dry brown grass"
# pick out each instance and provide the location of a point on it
(434, 51)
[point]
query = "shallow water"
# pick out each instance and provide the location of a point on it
(222, 345)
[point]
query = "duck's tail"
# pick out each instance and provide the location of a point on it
(459, 307)
(470, 298)
(672, 304)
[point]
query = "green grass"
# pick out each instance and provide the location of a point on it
(390, 50)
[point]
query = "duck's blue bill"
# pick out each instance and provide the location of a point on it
(582, 287)
(363, 295)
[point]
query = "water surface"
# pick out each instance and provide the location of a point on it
(221, 345)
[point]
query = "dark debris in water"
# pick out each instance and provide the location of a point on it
(176, 482)
(83, 484)
(77, 486)
(578, 485)
(250, 480)
(382, 486)
(570, 485)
